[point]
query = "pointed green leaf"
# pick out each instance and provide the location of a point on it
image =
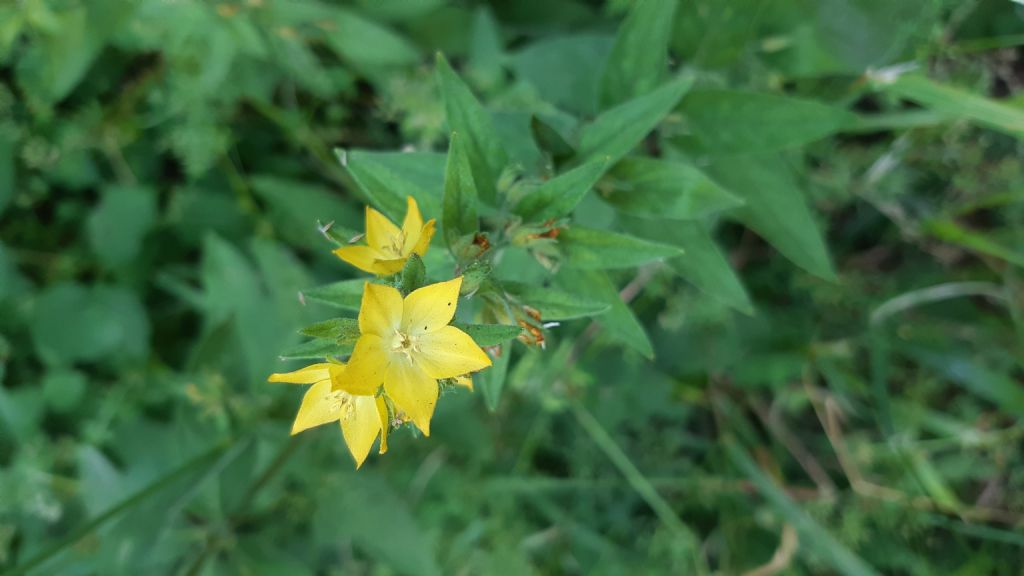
(954, 233)
(738, 122)
(554, 304)
(639, 59)
(776, 209)
(117, 227)
(468, 118)
(654, 188)
(589, 248)
(7, 176)
(703, 265)
(367, 45)
(486, 50)
(339, 330)
(959, 104)
(347, 294)
(315, 349)
(557, 197)
(491, 381)
(619, 322)
(617, 131)
(490, 334)
(551, 138)
(386, 178)
(459, 215)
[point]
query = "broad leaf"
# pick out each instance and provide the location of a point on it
(602, 249)
(490, 334)
(653, 188)
(468, 119)
(386, 178)
(703, 265)
(619, 322)
(739, 122)
(346, 294)
(367, 45)
(639, 58)
(459, 215)
(339, 330)
(557, 197)
(776, 209)
(617, 131)
(554, 304)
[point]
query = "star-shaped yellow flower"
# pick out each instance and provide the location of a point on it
(388, 247)
(407, 345)
(362, 418)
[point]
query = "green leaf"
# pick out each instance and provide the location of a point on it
(316, 349)
(558, 196)
(617, 131)
(959, 104)
(8, 147)
(486, 335)
(362, 507)
(776, 209)
(118, 225)
(740, 122)
(459, 215)
(386, 178)
(565, 70)
(368, 46)
(703, 265)
(491, 381)
(654, 188)
(466, 117)
(589, 248)
(619, 322)
(346, 294)
(297, 206)
(550, 138)
(812, 535)
(950, 231)
(554, 304)
(413, 273)
(639, 58)
(71, 322)
(340, 330)
(486, 52)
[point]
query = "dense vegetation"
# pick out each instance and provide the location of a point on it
(782, 325)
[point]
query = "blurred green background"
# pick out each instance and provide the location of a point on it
(163, 168)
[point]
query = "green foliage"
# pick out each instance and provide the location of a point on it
(748, 274)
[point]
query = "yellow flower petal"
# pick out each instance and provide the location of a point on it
(382, 413)
(431, 307)
(363, 257)
(319, 406)
(368, 366)
(425, 236)
(465, 381)
(360, 425)
(380, 232)
(412, 226)
(381, 310)
(413, 392)
(389, 267)
(309, 375)
(449, 352)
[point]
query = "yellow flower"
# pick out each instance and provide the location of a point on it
(407, 345)
(388, 247)
(363, 417)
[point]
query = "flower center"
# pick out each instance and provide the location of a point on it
(403, 343)
(341, 402)
(395, 249)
